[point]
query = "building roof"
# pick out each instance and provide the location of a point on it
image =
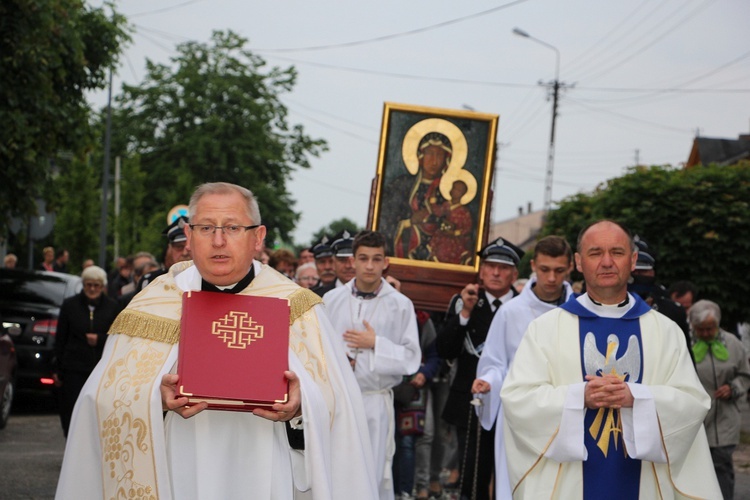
(522, 230)
(708, 150)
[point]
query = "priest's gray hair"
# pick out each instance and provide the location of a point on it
(225, 188)
(703, 310)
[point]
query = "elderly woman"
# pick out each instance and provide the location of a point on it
(723, 370)
(81, 332)
(307, 275)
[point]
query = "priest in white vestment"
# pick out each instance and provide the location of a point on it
(602, 400)
(378, 326)
(546, 290)
(121, 446)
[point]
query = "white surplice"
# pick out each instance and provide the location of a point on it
(396, 353)
(542, 401)
(120, 445)
(503, 338)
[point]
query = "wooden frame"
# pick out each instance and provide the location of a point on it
(431, 197)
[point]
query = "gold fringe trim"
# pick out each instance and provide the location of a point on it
(146, 326)
(301, 301)
(152, 327)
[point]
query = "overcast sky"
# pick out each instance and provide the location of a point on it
(644, 77)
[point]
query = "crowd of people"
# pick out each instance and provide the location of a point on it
(515, 391)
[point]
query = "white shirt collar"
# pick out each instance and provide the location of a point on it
(606, 310)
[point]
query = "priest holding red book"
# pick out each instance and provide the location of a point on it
(284, 451)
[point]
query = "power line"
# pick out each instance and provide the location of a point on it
(166, 49)
(163, 34)
(332, 127)
(530, 119)
(630, 118)
(529, 106)
(671, 90)
(331, 186)
(164, 9)
(658, 92)
(406, 75)
(599, 46)
(392, 36)
(331, 115)
(130, 65)
(489, 83)
(667, 31)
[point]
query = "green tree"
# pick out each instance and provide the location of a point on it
(336, 227)
(697, 220)
(51, 53)
(214, 115)
(131, 224)
(78, 201)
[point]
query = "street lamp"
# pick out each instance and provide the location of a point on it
(555, 85)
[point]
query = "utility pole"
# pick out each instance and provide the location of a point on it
(105, 181)
(551, 149)
(555, 85)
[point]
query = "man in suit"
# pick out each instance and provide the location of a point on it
(462, 339)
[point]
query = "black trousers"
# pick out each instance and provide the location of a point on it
(724, 466)
(477, 462)
(72, 383)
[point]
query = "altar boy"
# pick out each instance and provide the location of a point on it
(379, 329)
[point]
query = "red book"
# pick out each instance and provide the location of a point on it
(233, 350)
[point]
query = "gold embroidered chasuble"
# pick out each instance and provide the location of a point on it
(142, 347)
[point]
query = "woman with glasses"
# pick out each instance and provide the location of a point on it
(81, 332)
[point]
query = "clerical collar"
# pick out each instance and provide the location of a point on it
(606, 310)
(236, 288)
(621, 304)
(365, 295)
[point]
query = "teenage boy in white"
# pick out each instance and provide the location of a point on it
(379, 329)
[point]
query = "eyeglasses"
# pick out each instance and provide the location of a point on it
(91, 284)
(233, 231)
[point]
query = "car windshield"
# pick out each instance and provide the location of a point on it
(39, 289)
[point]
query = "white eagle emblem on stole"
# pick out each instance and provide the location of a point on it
(628, 366)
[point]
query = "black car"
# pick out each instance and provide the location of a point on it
(29, 306)
(7, 377)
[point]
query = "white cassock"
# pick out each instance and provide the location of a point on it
(503, 338)
(543, 404)
(396, 353)
(120, 446)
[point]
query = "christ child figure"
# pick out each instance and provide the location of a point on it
(451, 243)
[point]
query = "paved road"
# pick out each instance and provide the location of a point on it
(31, 450)
(32, 445)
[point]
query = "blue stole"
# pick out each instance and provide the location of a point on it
(609, 345)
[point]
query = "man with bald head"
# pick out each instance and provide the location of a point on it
(602, 400)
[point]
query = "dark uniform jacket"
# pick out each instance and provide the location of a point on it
(656, 296)
(451, 346)
(322, 289)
